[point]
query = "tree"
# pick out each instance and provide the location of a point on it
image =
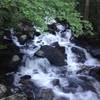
(38, 10)
(86, 12)
(98, 15)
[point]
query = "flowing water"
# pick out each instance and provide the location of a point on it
(35, 66)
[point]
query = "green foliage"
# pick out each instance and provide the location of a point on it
(36, 10)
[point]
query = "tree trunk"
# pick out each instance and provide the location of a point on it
(98, 16)
(86, 12)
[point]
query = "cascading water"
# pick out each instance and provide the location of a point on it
(43, 73)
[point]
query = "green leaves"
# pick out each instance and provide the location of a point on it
(37, 10)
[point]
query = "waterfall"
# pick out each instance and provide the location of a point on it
(43, 72)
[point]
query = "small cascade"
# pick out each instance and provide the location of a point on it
(71, 86)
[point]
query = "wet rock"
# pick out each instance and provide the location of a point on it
(46, 94)
(80, 55)
(15, 97)
(10, 59)
(9, 78)
(52, 28)
(56, 82)
(3, 90)
(95, 72)
(26, 31)
(28, 87)
(64, 22)
(81, 84)
(15, 58)
(87, 83)
(61, 98)
(95, 53)
(58, 26)
(54, 55)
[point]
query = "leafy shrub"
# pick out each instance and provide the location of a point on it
(37, 10)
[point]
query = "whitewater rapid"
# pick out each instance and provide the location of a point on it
(43, 73)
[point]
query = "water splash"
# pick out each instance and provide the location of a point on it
(43, 73)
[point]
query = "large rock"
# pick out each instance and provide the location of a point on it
(59, 25)
(10, 59)
(80, 55)
(3, 90)
(46, 94)
(95, 72)
(28, 87)
(26, 31)
(81, 83)
(10, 56)
(15, 97)
(95, 53)
(53, 54)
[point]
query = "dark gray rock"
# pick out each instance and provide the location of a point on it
(95, 72)
(95, 53)
(53, 54)
(82, 82)
(80, 55)
(28, 87)
(61, 98)
(3, 90)
(56, 82)
(46, 94)
(10, 59)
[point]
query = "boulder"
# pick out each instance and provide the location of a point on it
(63, 22)
(80, 55)
(58, 26)
(56, 82)
(81, 83)
(3, 90)
(26, 30)
(53, 54)
(52, 28)
(95, 72)
(95, 53)
(28, 87)
(46, 94)
(10, 59)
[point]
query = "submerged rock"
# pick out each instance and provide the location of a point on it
(28, 87)
(53, 54)
(56, 82)
(81, 83)
(80, 55)
(61, 98)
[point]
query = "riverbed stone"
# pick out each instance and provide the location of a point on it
(53, 54)
(95, 72)
(80, 55)
(3, 90)
(46, 94)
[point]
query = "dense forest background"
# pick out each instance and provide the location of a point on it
(83, 15)
(90, 10)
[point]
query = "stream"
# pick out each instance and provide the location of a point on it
(70, 85)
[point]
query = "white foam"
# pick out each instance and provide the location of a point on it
(43, 73)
